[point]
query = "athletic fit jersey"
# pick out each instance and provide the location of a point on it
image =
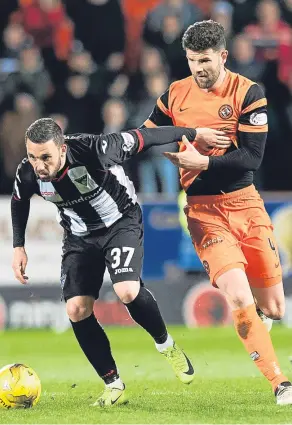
(92, 191)
(237, 107)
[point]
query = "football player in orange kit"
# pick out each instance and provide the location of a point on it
(230, 228)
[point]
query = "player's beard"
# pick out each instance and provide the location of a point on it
(48, 177)
(209, 79)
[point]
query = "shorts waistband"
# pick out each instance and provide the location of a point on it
(214, 199)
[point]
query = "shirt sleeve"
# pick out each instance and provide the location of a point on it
(252, 135)
(115, 148)
(25, 183)
(160, 115)
(107, 150)
(25, 186)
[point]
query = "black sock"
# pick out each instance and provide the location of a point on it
(95, 345)
(144, 310)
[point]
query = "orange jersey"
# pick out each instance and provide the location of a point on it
(237, 107)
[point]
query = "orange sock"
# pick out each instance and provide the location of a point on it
(257, 341)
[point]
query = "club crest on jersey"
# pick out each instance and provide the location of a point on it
(225, 112)
(82, 180)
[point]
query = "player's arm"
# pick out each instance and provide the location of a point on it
(206, 139)
(252, 135)
(24, 187)
(115, 148)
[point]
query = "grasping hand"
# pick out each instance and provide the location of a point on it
(190, 158)
(208, 138)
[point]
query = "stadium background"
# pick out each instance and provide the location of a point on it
(98, 66)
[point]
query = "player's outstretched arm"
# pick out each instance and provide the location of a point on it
(115, 148)
(164, 135)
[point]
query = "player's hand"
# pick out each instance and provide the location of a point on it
(19, 264)
(190, 158)
(208, 138)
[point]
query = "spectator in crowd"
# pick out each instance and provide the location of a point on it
(99, 24)
(152, 61)
(61, 120)
(15, 39)
(244, 12)
(115, 116)
(76, 104)
(243, 59)
(272, 37)
(153, 168)
(32, 74)
(51, 30)
(222, 12)
(81, 62)
(12, 128)
(187, 14)
(48, 25)
(154, 86)
(168, 39)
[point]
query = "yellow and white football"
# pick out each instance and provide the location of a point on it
(20, 387)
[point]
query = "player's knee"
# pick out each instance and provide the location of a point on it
(234, 285)
(127, 291)
(78, 311)
(274, 311)
(240, 299)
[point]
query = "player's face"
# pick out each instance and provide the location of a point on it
(206, 66)
(46, 158)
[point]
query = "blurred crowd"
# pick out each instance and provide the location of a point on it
(99, 66)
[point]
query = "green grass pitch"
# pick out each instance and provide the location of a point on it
(227, 388)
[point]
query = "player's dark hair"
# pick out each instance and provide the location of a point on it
(43, 130)
(204, 35)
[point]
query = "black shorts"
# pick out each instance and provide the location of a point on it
(119, 247)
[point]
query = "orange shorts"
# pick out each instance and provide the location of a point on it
(234, 231)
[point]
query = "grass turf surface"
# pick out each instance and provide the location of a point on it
(227, 388)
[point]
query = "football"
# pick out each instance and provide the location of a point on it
(20, 387)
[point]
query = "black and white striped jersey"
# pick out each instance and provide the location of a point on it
(92, 191)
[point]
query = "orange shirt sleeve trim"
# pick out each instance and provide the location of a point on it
(253, 129)
(255, 105)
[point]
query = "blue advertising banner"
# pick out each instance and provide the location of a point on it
(168, 244)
